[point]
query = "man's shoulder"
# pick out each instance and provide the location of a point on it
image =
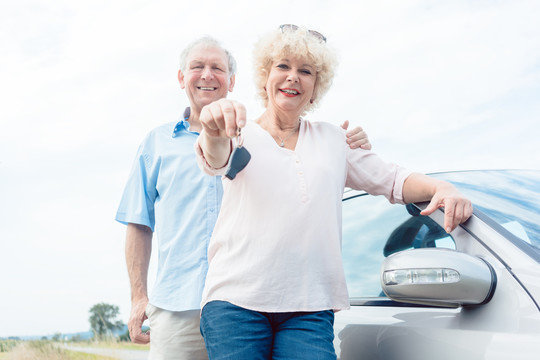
(160, 131)
(166, 128)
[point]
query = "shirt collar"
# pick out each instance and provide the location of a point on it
(182, 125)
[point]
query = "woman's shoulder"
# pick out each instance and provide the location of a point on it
(324, 127)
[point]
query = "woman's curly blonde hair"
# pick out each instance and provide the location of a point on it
(280, 44)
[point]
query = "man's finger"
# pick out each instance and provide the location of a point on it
(142, 338)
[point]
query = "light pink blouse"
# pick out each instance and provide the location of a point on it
(276, 246)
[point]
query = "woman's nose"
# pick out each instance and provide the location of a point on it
(292, 76)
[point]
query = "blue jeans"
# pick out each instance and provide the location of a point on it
(231, 332)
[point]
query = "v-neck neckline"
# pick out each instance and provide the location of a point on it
(298, 140)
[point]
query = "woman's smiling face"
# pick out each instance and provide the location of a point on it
(290, 84)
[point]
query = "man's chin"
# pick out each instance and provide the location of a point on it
(209, 98)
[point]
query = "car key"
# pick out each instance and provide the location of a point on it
(239, 158)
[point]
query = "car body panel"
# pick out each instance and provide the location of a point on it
(376, 327)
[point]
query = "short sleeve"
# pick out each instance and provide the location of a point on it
(137, 203)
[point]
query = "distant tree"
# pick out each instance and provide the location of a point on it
(125, 337)
(56, 337)
(76, 338)
(103, 320)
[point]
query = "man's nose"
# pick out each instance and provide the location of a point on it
(207, 73)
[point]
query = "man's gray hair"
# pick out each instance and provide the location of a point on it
(210, 42)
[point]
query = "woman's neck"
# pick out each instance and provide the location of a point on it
(283, 130)
(274, 122)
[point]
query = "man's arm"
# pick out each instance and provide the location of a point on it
(138, 251)
(441, 194)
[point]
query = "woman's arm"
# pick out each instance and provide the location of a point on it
(220, 121)
(441, 194)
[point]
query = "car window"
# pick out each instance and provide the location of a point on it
(510, 198)
(373, 229)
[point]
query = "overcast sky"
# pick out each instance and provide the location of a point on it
(438, 85)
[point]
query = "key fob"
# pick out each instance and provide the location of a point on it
(239, 159)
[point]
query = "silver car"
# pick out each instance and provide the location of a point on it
(420, 293)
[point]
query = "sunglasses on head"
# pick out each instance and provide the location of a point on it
(292, 27)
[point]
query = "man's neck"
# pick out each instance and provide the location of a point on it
(194, 123)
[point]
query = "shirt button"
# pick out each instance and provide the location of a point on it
(211, 210)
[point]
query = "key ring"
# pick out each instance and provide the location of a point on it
(239, 138)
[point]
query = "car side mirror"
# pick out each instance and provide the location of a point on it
(438, 277)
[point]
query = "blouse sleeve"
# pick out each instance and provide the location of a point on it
(367, 171)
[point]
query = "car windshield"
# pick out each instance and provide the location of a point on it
(509, 197)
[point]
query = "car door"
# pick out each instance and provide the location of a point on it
(377, 327)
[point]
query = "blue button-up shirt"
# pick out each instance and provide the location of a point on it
(167, 192)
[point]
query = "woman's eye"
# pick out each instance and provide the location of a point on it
(307, 72)
(282, 66)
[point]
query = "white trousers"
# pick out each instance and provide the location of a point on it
(175, 335)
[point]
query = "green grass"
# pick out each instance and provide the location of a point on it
(7, 345)
(47, 350)
(123, 345)
(74, 355)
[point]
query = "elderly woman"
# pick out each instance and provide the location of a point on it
(275, 274)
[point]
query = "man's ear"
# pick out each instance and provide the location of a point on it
(231, 83)
(181, 79)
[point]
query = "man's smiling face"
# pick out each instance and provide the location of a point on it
(206, 77)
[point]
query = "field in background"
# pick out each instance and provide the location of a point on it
(51, 350)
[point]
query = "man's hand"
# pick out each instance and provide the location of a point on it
(357, 137)
(136, 319)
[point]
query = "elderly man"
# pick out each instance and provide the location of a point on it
(167, 193)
